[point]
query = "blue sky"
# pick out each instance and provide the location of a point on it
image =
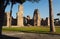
(43, 7)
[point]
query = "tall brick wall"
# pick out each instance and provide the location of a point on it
(20, 16)
(36, 18)
(8, 19)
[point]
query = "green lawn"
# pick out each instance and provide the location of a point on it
(32, 29)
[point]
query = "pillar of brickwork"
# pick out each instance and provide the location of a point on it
(36, 18)
(20, 16)
(8, 19)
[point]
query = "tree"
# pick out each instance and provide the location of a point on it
(52, 27)
(2, 10)
(58, 14)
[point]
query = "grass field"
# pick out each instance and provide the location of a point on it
(35, 29)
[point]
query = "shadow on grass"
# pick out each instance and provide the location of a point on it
(42, 32)
(8, 37)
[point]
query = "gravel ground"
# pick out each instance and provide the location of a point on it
(21, 35)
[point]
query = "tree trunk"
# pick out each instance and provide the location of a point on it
(1, 16)
(2, 12)
(52, 27)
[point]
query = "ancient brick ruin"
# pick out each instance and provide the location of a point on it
(26, 21)
(45, 22)
(20, 16)
(36, 18)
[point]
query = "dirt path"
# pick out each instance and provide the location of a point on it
(22, 35)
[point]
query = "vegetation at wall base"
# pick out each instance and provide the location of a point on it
(40, 30)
